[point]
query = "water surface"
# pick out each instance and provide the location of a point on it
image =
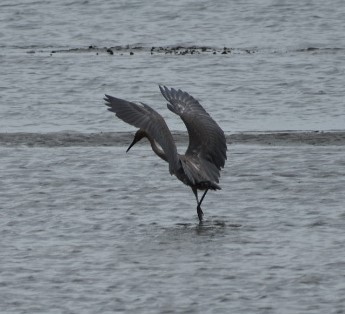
(86, 228)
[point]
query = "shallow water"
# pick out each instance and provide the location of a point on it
(86, 228)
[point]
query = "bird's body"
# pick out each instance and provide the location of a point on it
(200, 167)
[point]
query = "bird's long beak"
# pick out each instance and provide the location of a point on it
(137, 137)
(130, 146)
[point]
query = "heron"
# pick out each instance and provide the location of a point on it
(205, 156)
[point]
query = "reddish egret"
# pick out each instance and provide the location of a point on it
(199, 167)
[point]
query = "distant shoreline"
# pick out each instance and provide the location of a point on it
(177, 50)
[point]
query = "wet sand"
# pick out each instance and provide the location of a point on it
(67, 139)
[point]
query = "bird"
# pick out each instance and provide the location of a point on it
(205, 156)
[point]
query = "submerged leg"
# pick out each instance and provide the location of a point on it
(200, 213)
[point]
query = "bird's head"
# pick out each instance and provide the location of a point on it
(140, 134)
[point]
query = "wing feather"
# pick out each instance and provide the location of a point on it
(144, 117)
(206, 138)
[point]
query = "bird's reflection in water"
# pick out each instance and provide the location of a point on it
(208, 226)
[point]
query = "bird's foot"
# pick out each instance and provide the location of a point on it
(200, 213)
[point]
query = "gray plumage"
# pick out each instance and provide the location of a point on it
(206, 153)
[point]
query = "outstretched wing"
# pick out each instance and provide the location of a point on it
(206, 138)
(144, 117)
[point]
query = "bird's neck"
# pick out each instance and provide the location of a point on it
(159, 152)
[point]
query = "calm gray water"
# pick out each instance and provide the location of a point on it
(85, 228)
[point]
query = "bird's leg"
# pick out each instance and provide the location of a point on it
(202, 198)
(195, 191)
(198, 209)
(200, 213)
